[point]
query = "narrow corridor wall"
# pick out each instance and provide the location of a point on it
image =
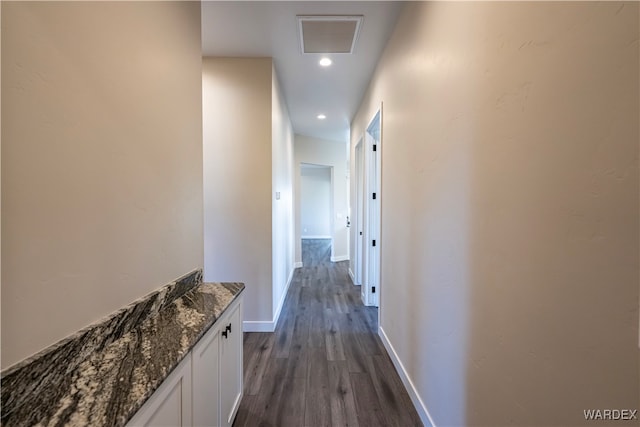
(238, 178)
(282, 195)
(510, 208)
(248, 167)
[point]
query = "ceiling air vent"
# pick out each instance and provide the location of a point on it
(328, 34)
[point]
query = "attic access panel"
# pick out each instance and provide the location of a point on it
(328, 34)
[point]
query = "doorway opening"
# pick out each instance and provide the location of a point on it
(316, 202)
(367, 212)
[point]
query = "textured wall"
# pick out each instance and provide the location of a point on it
(248, 157)
(238, 178)
(282, 208)
(101, 161)
(510, 207)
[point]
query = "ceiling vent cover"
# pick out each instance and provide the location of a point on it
(328, 34)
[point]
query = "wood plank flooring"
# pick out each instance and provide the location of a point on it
(325, 364)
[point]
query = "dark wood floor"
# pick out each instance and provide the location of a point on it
(324, 365)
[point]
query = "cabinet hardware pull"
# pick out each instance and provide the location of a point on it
(224, 333)
(229, 327)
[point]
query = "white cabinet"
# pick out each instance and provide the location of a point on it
(231, 367)
(206, 387)
(170, 405)
(217, 371)
(206, 379)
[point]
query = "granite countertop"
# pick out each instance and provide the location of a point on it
(101, 378)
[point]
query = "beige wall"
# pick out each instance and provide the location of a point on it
(510, 208)
(282, 208)
(327, 153)
(248, 155)
(0, 186)
(238, 178)
(101, 161)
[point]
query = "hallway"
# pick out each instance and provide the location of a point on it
(324, 365)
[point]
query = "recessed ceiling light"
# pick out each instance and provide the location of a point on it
(321, 116)
(325, 62)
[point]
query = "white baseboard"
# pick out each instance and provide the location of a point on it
(276, 316)
(353, 277)
(297, 265)
(340, 258)
(424, 414)
(257, 326)
(315, 237)
(268, 326)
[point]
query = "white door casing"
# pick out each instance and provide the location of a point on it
(368, 207)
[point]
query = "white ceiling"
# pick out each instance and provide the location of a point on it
(266, 28)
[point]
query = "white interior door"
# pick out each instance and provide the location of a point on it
(372, 212)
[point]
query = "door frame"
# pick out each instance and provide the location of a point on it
(368, 171)
(358, 218)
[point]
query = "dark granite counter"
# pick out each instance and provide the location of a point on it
(103, 374)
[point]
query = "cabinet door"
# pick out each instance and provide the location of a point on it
(170, 405)
(231, 365)
(206, 392)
